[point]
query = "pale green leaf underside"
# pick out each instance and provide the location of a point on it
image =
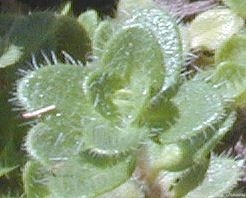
(222, 176)
(166, 31)
(193, 120)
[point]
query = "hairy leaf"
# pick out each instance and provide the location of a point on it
(131, 73)
(167, 32)
(88, 180)
(178, 184)
(191, 121)
(89, 20)
(229, 80)
(35, 180)
(222, 175)
(74, 126)
(233, 50)
(102, 35)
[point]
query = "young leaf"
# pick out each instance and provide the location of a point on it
(126, 7)
(167, 32)
(89, 20)
(132, 72)
(211, 28)
(102, 35)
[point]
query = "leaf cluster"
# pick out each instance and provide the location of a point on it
(125, 121)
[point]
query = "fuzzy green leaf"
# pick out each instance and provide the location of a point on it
(230, 80)
(167, 32)
(126, 7)
(35, 180)
(132, 72)
(61, 86)
(192, 121)
(178, 184)
(218, 135)
(89, 20)
(179, 156)
(66, 9)
(102, 35)
(74, 126)
(222, 176)
(88, 180)
(211, 28)
(53, 85)
(233, 50)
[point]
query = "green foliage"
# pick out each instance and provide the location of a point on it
(126, 123)
(89, 20)
(10, 56)
(238, 6)
(101, 35)
(220, 178)
(167, 33)
(33, 174)
(6, 170)
(233, 50)
(28, 39)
